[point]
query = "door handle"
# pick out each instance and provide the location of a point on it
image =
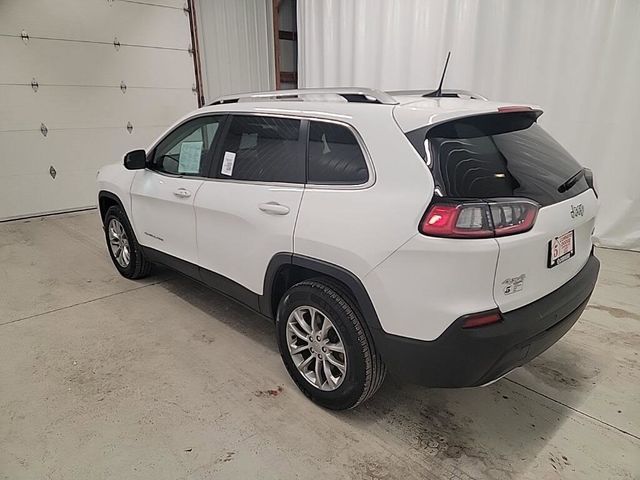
(182, 193)
(274, 208)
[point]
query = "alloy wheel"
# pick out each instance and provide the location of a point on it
(316, 348)
(119, 243)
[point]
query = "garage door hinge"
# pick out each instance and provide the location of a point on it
(43, 129)
(185, 9)
(52, 172)
(190, 50)
(25, 36)
(34, 84)
(129, 127)
(116, 43)
(123, 87)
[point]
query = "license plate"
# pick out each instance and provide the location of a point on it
(561, 248)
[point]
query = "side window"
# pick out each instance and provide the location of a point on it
(265, 149)
(335, 157)
(183, 151)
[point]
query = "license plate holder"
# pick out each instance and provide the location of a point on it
(561, 249)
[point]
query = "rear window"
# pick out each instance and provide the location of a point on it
(498, 155)
(335, 158)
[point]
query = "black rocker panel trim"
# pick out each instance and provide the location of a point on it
(186, 268)
(262, 303)
(213, 280)
(230, 288)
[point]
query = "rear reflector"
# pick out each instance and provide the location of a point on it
(479, 219)
(482, 319)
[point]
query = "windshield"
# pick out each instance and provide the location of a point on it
(498, 155)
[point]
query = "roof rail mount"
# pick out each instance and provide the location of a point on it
(449, 93)
(350, 94)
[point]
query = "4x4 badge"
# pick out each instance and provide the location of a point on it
(513, 285)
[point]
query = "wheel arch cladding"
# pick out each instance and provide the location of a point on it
(107, 200)
(287, 269)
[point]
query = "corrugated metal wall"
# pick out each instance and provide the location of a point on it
(108, 76)
(236, 46)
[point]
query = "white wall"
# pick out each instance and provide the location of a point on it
(578, 59)
(236, 46)
(71, 54)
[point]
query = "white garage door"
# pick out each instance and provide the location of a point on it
(81, 83)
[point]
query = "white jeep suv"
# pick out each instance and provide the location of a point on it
(446, 239)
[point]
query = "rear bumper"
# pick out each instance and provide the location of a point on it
(471, 357)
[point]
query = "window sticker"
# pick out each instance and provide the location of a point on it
(189, 160)
(227, 163)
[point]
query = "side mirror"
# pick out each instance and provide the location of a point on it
(135, 160)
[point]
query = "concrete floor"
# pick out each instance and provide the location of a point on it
(101, 377)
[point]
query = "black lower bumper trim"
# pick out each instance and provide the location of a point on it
(471, 357)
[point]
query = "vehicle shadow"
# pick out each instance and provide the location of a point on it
(491, 432)
(222, 308)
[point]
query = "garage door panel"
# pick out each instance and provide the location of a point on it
(73, 107)
(79, 99)
(69, 150)
(97, 20)
(71, 191)
(69, 63)
(26, 184)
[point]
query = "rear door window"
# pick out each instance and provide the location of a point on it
(262, 149)
(500, 155)
(335, 156)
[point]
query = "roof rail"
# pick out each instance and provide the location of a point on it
(445, 93)
(350, 94)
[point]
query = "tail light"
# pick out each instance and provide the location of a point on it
(479, 219)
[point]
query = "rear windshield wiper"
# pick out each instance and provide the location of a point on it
(571, 181)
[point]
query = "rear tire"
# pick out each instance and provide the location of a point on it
(124, 249)
(315, 303)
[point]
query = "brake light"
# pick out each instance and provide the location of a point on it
(457, 220)
(479, 219)
(514, 108)
(481, 319)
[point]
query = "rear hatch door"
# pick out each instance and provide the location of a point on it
(535, 263)
(505, 155)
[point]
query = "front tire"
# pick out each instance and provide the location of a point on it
(324, 345)
(124, 250)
